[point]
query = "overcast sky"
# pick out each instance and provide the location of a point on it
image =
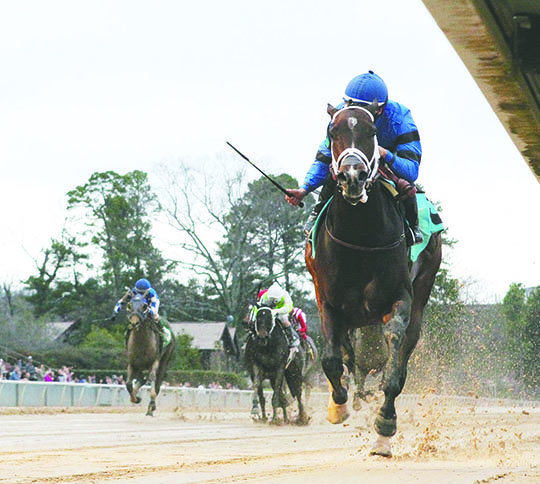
(123, 85)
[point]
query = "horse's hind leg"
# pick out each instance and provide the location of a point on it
(386, 420)
(162, 369)
(296, 386)
(371, 355)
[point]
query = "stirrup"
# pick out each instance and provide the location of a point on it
(418, 235)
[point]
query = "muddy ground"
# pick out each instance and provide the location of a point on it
(434, 444)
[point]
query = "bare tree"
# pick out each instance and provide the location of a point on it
(232, 232)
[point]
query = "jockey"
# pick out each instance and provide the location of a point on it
(280, 302)
(399, 149)
(143, 286)
(298, 319)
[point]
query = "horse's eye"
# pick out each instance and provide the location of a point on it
(341, 177)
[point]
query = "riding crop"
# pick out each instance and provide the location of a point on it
(274, 182)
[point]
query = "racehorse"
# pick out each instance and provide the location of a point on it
(267, 356)
(147, 359)
(361, 272)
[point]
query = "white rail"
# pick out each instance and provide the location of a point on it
(52, 394)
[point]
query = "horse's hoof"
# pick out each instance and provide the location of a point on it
(337, 413)
(357, 402)
(382, 447)
(385, 427)
(149, 413)
(136, 400)
(303, 420)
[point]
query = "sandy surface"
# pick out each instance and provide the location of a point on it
(434, 444)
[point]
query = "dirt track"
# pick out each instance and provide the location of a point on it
(434, 444)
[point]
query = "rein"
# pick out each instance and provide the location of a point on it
(393, 245)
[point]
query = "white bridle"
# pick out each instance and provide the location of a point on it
(372, 163)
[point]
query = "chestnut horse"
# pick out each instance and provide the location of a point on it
(147, 358)
(362, 275)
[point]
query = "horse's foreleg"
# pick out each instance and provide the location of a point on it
(277, 395)
(332, 364)
(133, 390)
(153, 394)
(258, 391)
(386, 420)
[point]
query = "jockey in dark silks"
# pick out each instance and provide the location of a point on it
(399, 147)
(143, 286)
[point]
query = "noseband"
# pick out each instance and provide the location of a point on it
(372, 163)
(265, 309)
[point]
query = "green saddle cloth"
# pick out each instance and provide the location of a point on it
(429, 222)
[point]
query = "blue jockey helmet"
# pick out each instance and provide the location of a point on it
(366, 88)
(142, 285)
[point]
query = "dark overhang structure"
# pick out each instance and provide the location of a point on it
(499, 43)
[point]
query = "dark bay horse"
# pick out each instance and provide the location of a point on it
(361, 273)
(147, 359)
(267, 358)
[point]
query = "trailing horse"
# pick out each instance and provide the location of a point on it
(147, 358)
(360, 269)
(267, 356)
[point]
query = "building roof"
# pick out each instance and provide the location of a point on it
(56, 330)
(206, 335)
(498, 41)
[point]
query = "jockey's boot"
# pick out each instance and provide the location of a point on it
(308, 227)
(411, 214)
(165, 331)
(326, 192)
(292, 337)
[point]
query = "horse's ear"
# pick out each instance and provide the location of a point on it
(331, 110)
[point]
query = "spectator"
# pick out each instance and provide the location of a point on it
(3, 369)
(49, 375)
(61, 375)
(68, 373)
(40, 372)
(31, 369)
(15, 373)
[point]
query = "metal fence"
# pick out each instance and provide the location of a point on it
(52, 394)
